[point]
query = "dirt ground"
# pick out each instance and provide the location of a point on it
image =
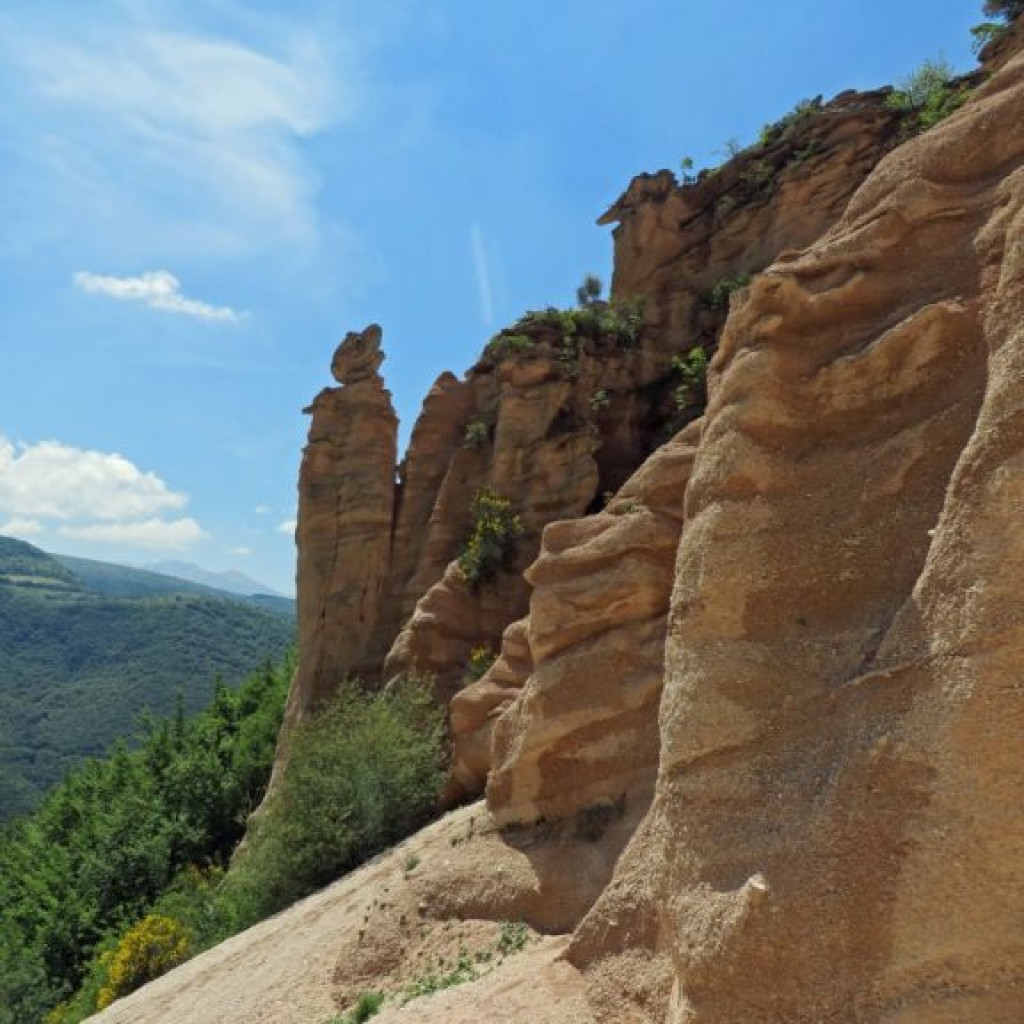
(403, 924)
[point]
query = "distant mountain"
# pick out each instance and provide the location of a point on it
(233, 582)
(125, 581)
(86, 646)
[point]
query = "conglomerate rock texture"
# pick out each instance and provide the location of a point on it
(836, 833)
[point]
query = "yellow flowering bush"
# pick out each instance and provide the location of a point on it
(151, 948)
(492, 541)
(481, 658)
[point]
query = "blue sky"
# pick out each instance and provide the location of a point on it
(200, 198)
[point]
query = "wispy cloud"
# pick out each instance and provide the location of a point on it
(288, 526)
(240, 550)
(150, 534)
(157, 289)
(483, 277)
(168, 129)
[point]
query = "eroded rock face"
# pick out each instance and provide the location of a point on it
(553, 428)
(474, 710)
(432, 512)
(346, 499)
(674, 242)
(581, 737)
(836, 832)
(541, 460)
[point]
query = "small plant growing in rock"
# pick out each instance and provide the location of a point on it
(513, 938)
(627, 321)
(491, 546)
(476, 435)
(927, 96)
(693, 374)
(481, 658)
(779, 129)
(427, 984)
(720, 292)
(412, 862)
(589, 291)
(600, 400)
(503, 346)
(368, 1005)
(759, 178)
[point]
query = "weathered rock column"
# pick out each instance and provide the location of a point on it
(346, 507)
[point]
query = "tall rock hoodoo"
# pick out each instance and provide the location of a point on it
(346, 499)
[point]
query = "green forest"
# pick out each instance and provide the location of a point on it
(85, 646)
(154, 823)
(124, 871)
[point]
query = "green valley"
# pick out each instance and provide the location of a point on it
(86, 647)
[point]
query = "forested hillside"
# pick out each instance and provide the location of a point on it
(85, 647)
(152, 826)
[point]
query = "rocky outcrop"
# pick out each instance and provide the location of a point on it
(780, 671)
(559, 413)
(579, 738)
(346, 499)
(675, 241)
(542, 458)
(475, 709)
(836, 833)
(435, 481)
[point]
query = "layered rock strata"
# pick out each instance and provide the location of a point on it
(578, 736)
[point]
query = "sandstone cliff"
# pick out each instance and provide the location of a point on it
(561, 409)
(752, 746)
(836, 833)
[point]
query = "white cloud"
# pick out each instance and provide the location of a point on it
(151, 534)
(157, 289)
(263, 510)
(50, 480)
(483, 276)
(241, 550)
(21, 527)
(100, 497)
(174, 128)
(288, 526)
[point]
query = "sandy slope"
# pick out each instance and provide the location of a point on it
(379, 928)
